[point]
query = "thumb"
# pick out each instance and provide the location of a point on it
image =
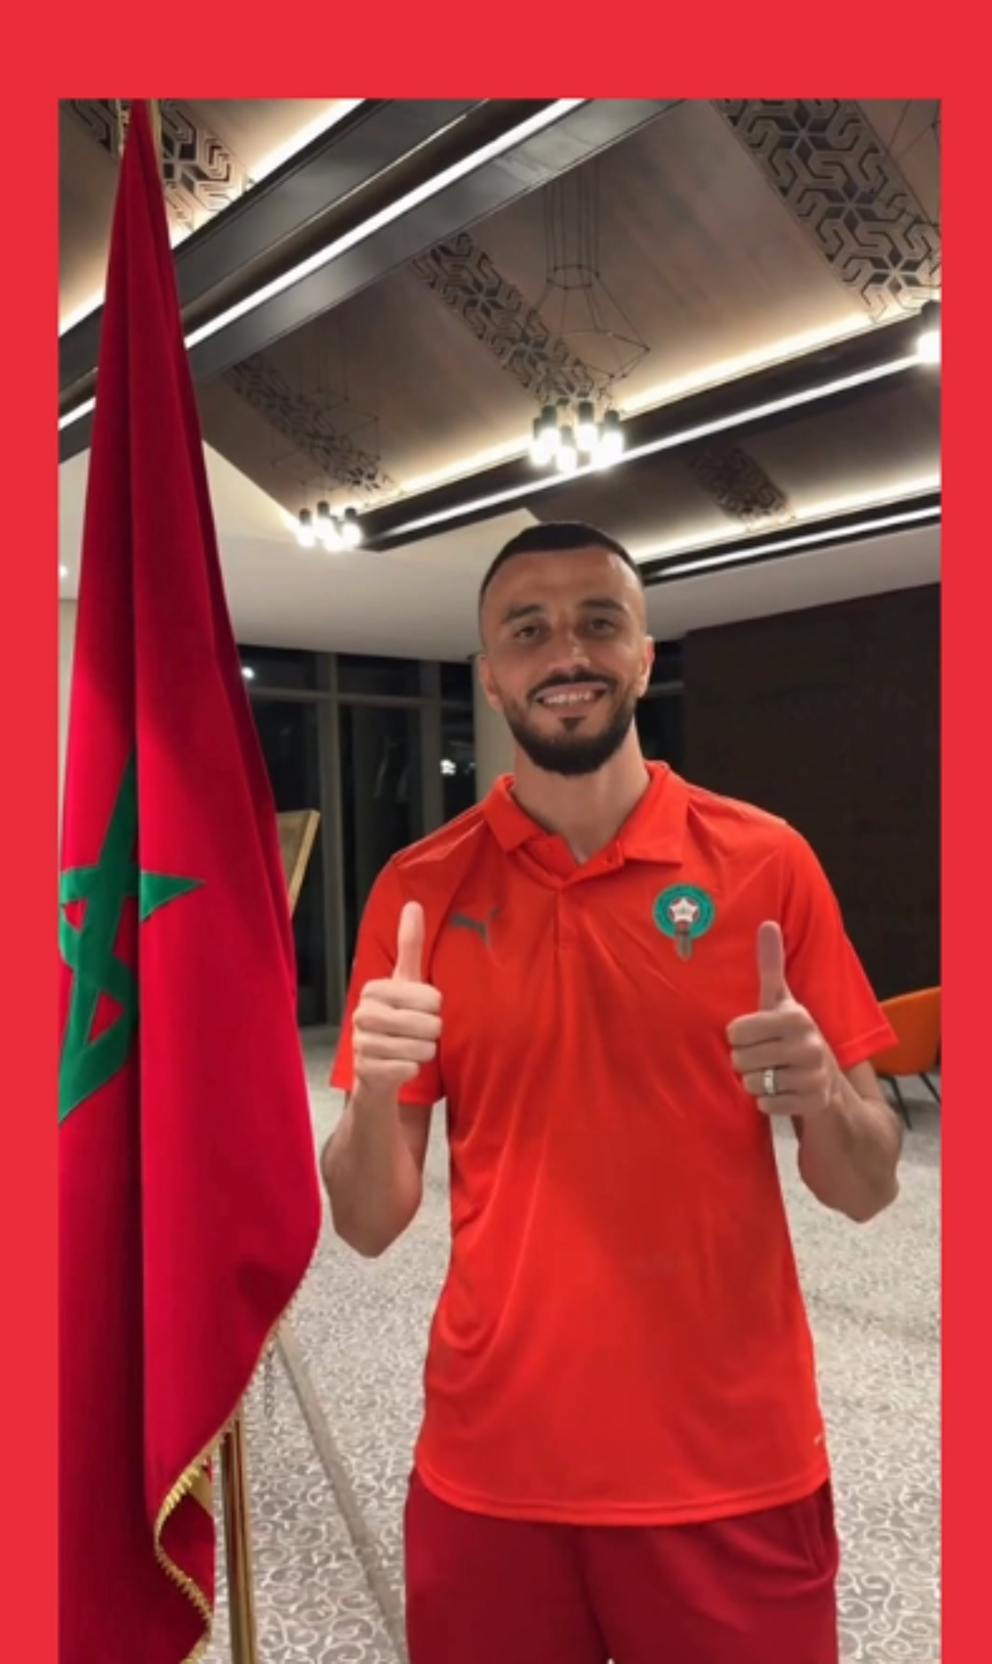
(771, 966)
(410, 944)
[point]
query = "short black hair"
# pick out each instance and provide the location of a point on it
(553, 537)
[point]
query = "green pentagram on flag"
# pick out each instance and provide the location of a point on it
(86, 1064)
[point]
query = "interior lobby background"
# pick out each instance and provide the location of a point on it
(828, 716)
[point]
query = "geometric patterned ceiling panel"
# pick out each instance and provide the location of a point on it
(200, 173)
(502, 319)
(325, 433)
(740, 486)
(827, 165)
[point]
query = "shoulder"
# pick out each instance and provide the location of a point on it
(428, 870)
(744, 838)
(734, 821)
(425, 871)
(458, 839)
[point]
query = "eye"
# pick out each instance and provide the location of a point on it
(602, 626)
(525, 632)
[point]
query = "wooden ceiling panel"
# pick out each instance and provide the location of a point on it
(254, 128)
(701, 256)
(880, 445)
(405, 359)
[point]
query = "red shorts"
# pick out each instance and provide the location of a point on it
(749, 1590)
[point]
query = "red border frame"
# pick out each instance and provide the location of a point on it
(967, 912)
(409, 52)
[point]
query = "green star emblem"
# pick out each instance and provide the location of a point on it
(87, 1064)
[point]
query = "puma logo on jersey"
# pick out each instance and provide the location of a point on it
(464, 921)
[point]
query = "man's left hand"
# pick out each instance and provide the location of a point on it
(781, 1036)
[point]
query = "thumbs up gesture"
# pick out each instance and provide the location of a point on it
(397, 1022)
(778, 1051)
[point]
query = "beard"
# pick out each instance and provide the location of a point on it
(572, 752)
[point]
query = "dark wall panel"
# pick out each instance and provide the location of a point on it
(830, 717)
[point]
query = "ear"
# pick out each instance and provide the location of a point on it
(487, 684)
(647, 667)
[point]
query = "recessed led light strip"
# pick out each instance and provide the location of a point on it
(298, 142)
(832, 534)
(368, 228)
(811, 516)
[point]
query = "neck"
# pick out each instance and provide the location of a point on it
(587, 810)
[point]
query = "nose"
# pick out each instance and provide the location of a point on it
(571, 651)
(567, 659)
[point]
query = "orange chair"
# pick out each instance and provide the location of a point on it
(916, 1020)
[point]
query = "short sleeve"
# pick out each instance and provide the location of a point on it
(821, 967)
(375, 959)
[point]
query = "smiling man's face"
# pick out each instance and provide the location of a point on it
(566, 655)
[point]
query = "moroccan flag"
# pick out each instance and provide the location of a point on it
(189, 1203)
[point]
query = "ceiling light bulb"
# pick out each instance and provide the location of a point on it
(586, 430)
(351, 531)
(248, 672)
(547, 436)
(610, 447)
(568, 455)
(327, 528)
(63, 571)
(305, 535)
(928, 341)
(540, 453)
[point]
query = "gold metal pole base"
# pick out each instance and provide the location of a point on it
(237, 1542)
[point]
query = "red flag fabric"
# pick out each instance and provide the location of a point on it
(189, 1202)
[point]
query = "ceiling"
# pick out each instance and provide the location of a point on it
(221, 147)
(690, 263)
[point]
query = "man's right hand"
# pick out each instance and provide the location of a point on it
(397, 1024)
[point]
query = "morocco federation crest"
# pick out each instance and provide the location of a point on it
(684, 913)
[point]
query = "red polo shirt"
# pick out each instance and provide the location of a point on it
(621, 1337)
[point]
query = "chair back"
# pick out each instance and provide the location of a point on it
(916, 1020)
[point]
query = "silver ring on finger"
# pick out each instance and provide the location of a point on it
(769, 1083)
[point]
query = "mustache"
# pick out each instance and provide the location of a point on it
(608, 682)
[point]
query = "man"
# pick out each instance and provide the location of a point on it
(616, 981)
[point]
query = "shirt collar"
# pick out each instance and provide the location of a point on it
(654, 831)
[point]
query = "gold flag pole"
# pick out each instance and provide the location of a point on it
(155, 118)
(237, 1544)
(297, 832)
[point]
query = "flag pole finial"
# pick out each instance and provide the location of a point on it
(155, 117)
(155, 121)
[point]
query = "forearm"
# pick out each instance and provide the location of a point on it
(373, 1182)
(848, 1155)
